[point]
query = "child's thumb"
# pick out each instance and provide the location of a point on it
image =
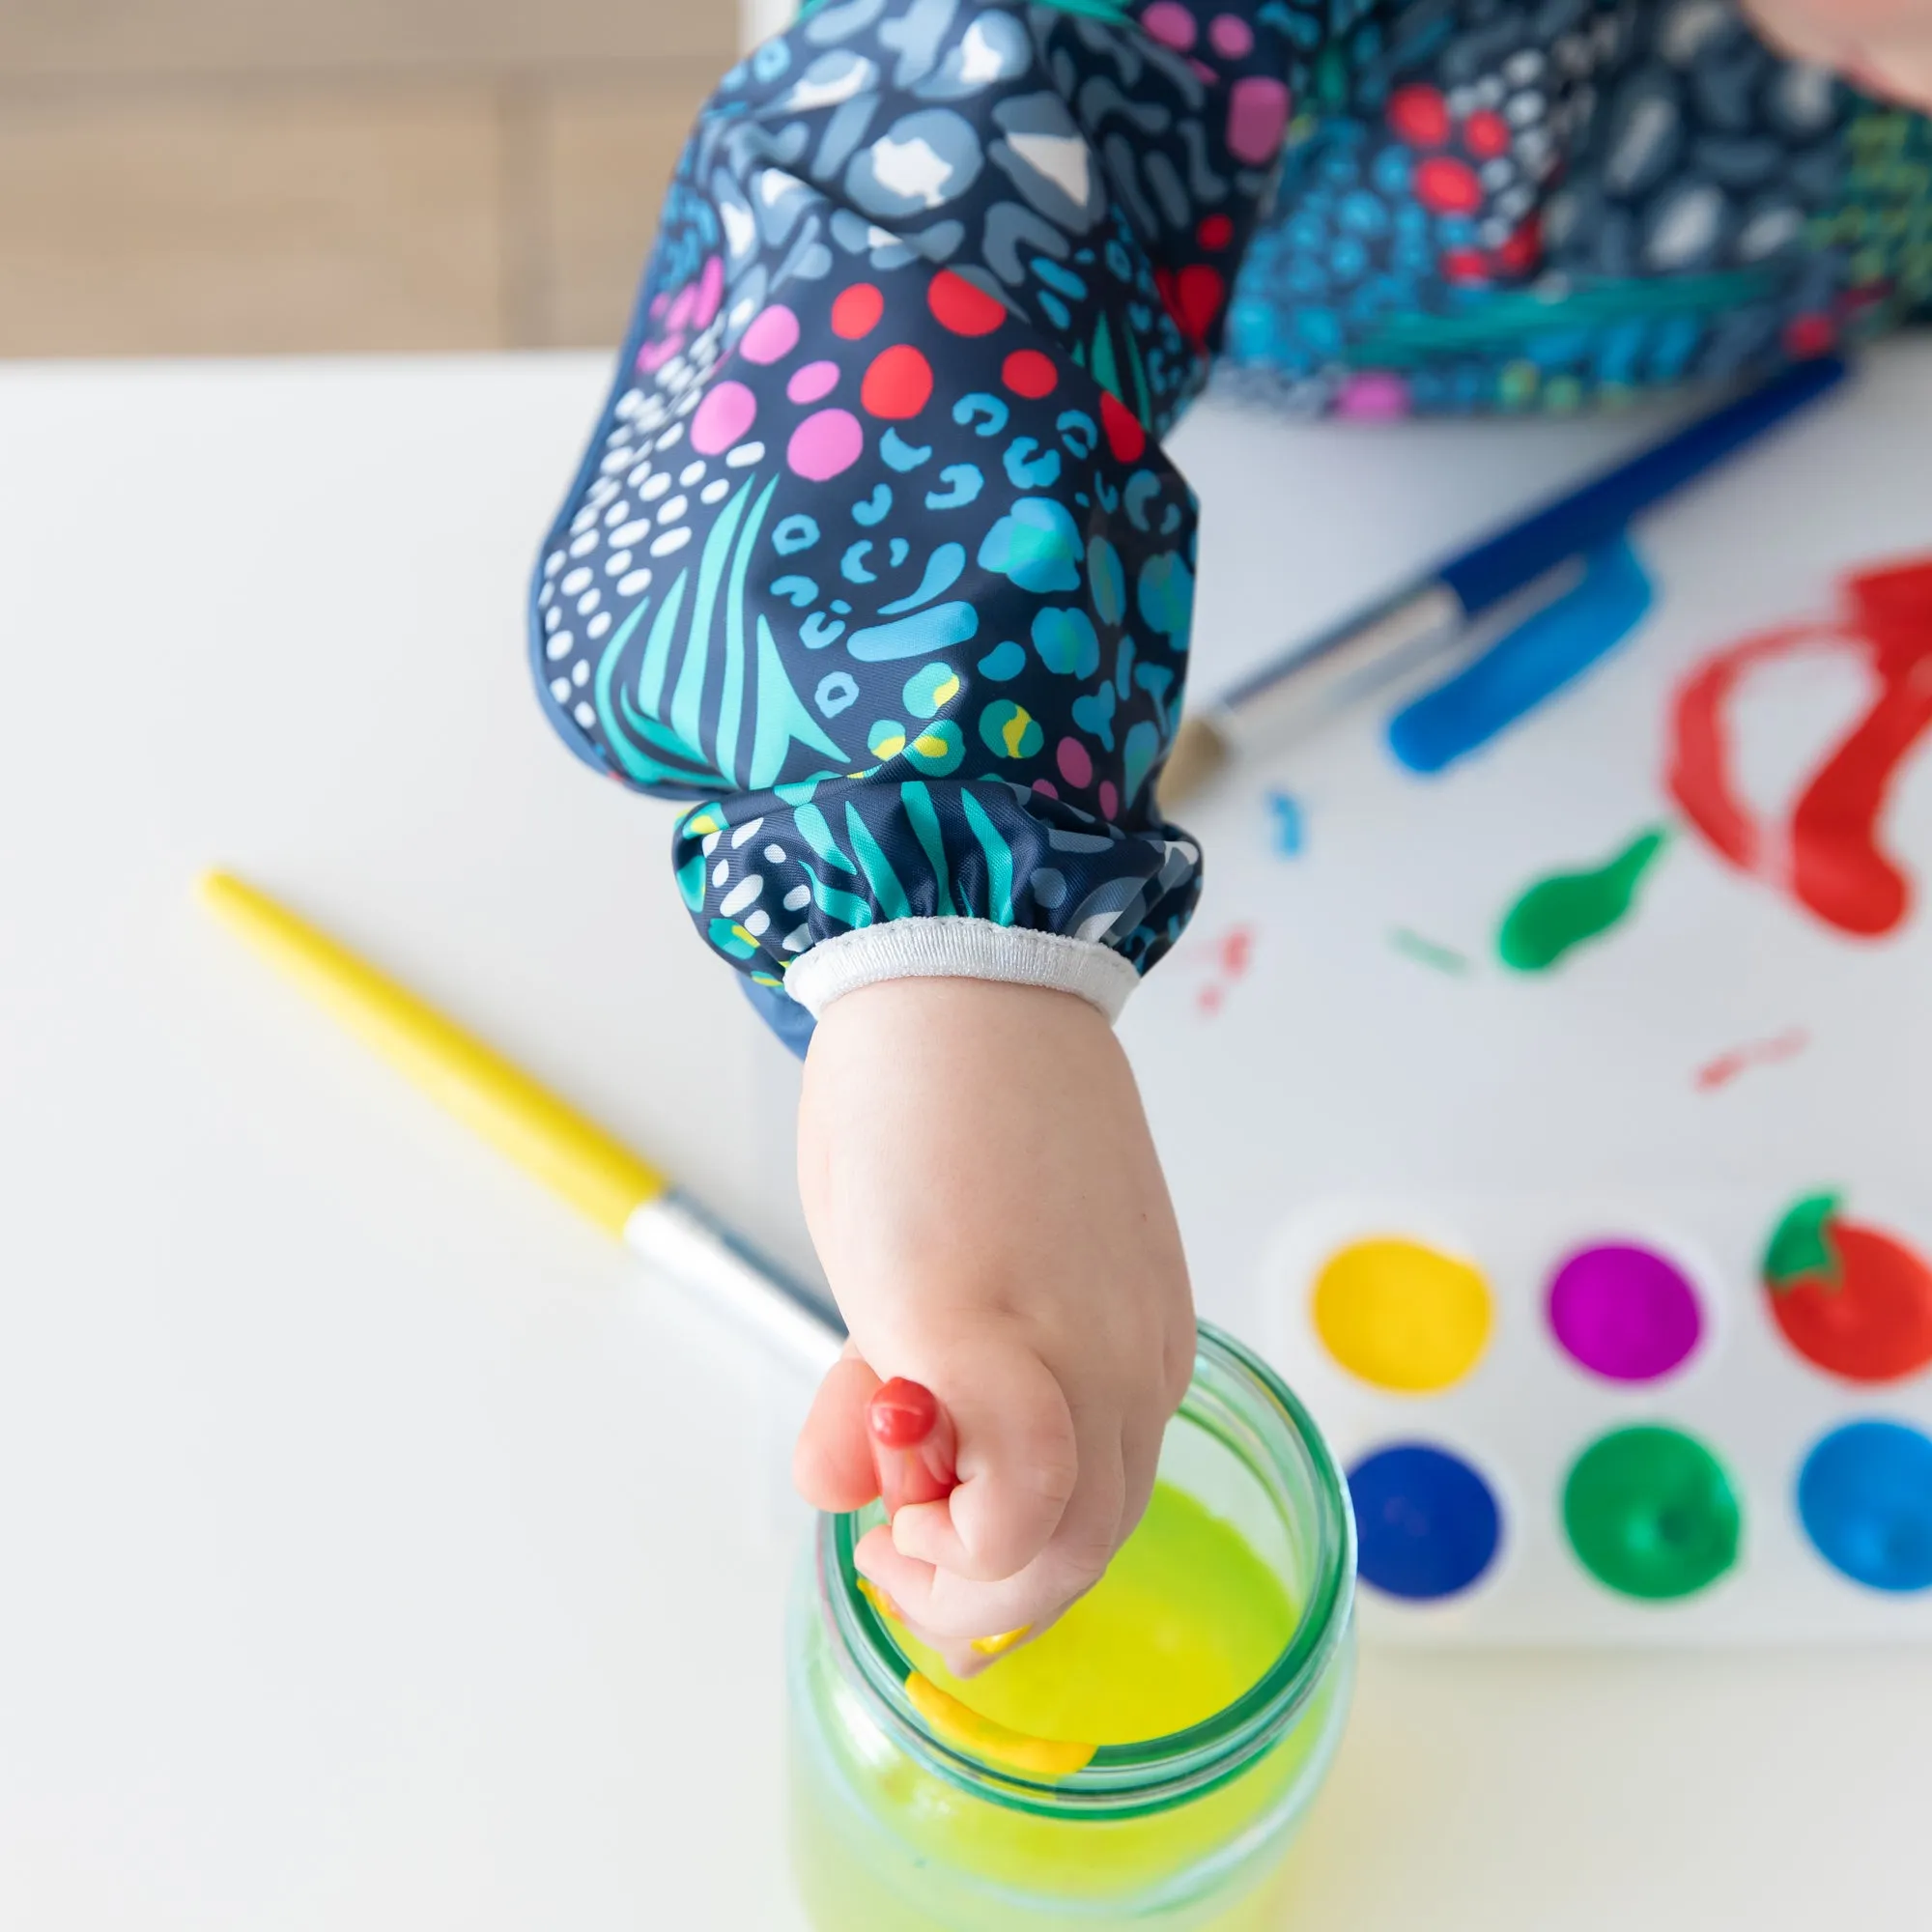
(831, 1465)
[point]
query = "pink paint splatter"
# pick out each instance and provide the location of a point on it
(1722, 1071)
(1233, 955)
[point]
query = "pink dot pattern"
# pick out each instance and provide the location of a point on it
(825, 445)
(724, 414)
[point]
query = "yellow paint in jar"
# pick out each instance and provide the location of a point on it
(1186, 1619)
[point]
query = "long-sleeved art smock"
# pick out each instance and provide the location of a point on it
(875, 556)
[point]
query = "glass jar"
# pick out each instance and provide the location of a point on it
(904, 1821)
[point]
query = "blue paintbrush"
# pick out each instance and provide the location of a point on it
(1433, 612)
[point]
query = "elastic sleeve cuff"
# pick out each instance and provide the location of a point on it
(960, 948)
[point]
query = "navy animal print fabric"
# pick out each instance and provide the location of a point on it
(875, 556)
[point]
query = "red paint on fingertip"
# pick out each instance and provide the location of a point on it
(913, 1445)
(901, 1414)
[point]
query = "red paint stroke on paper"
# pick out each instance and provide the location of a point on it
(1234, 953)
(1722, 1071)
(1830, 857)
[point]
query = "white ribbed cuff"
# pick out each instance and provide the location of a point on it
(960, 948)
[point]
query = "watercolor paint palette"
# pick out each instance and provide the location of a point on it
(1621, 1416)
(1600, 1032)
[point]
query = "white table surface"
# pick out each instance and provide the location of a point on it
(367, 1562)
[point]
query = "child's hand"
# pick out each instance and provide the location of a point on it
(980, 1182)
(1885, 45)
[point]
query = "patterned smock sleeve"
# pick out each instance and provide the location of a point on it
(875, 555)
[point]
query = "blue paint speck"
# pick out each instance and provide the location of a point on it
(1287, 815)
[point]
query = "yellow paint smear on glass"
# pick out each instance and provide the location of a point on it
(958, 1725)
(1186, 1619)
(1402, 1315)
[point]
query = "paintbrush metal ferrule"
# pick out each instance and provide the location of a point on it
(1325, 673)
(691, 1246)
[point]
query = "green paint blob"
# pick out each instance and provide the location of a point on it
(1567, 908)
(1651, 1513)
(1802, 1249)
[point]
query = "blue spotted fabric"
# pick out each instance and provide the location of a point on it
(876, 557)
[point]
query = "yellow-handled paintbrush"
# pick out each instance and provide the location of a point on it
(542, 1134)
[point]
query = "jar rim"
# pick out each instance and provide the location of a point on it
(1150, 1774)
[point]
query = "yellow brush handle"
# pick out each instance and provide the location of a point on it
(483, 1090)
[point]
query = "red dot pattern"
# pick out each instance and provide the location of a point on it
(1026, 372)
(898, 384)
(1125, 436)
(857, 311)
(958, 305)
(1420, 116)
(1810, 335)
(1200, 291)
(1445, 185)
(1523, 252)
(1486, 135)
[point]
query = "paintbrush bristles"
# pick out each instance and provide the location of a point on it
(1198, 753)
